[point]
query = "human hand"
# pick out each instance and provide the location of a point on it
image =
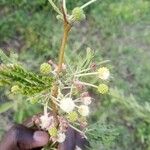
(20, 137)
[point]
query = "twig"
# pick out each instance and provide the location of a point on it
(88, 3)
(54, 92)
(64, 7)
(55, 7)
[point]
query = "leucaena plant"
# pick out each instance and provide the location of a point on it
(61, 90)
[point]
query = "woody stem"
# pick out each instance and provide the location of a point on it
(54, 92)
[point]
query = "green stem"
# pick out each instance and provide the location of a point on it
(55, 7)
(67, 28)
(88, 3)
(89, 84)
(86, 74)
(64, 6)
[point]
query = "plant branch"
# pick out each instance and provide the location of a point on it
(54, 92)
(64, 6)
(67, 28)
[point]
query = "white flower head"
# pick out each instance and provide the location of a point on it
(87, 100)
(45, 121)
(84, 110)
(67, 105)
(103, 73)
(61, 137)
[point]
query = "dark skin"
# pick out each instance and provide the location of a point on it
(20, 137)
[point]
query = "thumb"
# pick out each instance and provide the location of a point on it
(40, 138)
(29, 138)
(23, 138)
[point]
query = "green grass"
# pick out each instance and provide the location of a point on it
(117, 30)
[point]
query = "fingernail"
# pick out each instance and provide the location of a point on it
(41, 137)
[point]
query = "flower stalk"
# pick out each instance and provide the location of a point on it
(86, 74)
(55, 7)
(88, 3)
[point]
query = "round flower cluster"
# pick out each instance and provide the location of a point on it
(53, 131)
(67, 105)
(46, 121)
(87, 100)
(45, 68)
(73, 116)
(103, 88)
(78, 14)
(103, 73)
(84, 110)
(61, 137)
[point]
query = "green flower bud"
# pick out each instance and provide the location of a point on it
(45, 68)
(103, 88)
(15, 89)
(53, 131)
(78, 14)
(73, 116)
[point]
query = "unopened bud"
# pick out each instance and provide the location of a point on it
(78, 14)
(103, 88)
(73, 116)
(53, 131)
(45, 68)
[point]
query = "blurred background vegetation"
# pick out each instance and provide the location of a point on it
(118, 30)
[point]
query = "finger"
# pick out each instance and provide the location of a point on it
(21, 137)
(69, 143)
(8, 141)
(40, 139)
(29, 138)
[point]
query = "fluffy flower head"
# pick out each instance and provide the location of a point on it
(61, 137)
(67, 105)
(103, 73)
(87, 100)
(45, 121)
(84, 110)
